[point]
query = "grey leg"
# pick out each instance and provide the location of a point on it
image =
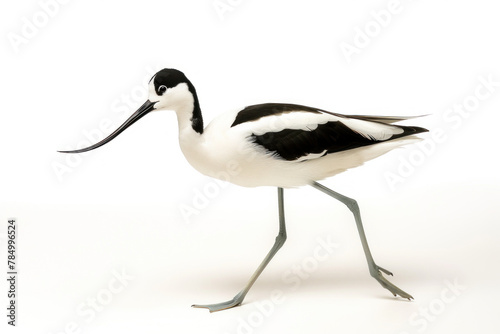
(280, 240)
(375, 271)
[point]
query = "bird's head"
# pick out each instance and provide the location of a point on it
(168, 89)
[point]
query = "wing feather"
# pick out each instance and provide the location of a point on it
(294, 132)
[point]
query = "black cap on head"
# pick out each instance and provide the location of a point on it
(168, 78)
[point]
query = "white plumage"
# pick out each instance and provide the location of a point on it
(220, 144)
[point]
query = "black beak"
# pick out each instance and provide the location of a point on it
(143, 110)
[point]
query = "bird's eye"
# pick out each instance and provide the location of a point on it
(162, 89)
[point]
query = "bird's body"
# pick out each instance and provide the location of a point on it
(273, 144)
(286, 145)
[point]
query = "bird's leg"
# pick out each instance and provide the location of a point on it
(375, 271)
(280, 240)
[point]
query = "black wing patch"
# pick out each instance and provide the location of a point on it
(331, 137)
(255, 112)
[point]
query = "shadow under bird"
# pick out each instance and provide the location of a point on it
(274, 144)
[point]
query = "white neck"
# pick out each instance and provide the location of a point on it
(190, 141)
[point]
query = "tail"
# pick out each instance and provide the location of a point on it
(384, 119)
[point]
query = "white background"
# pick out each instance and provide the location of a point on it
(118, 208)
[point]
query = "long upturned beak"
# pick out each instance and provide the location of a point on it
(143, 110)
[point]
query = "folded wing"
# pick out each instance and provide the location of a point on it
(298, 133)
